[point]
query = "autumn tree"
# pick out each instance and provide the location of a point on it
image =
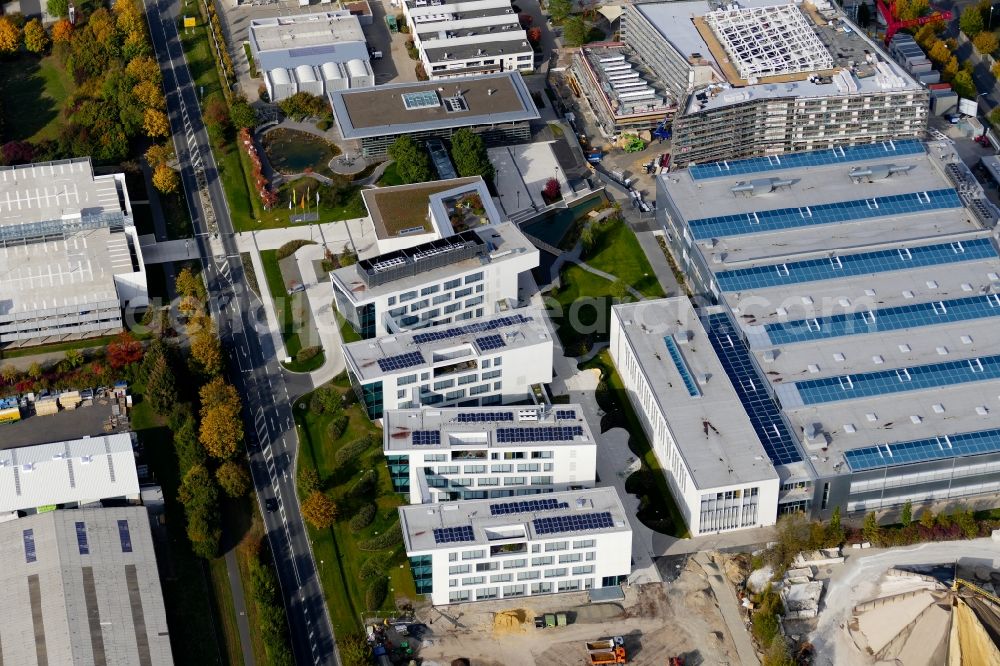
(319, 510)
(971, 21)
(143, 68)
(963, 85)
(206, 350)
(62, 32)
(233, 478)
(155, 123)
(165, 179)
(355, 650)
(985, 42)
(242, 114)
(189, 450)
(35, 370)
(950, 70)
(124, 350)
(871, 530)
(906, 515)
(10, 36)
(36, 39)
(221, 427)
(187, 283)
(159, 153)
(939, 53)
(149, 94)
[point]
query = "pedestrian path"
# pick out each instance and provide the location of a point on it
(729, 607)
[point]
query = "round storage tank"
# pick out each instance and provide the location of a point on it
(280, 77)
(330, 71)
(305, 74)
(357, 68)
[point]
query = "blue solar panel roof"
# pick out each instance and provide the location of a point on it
(574, 522)
(884, 319)
(400, 361)
(454, 534)
(867, 384)
(478, 327)
(920, 450)
(839, 155)
(539, 434)
(565, 414)
(842, 211)
(862, 263)
(682, 369)
(527, 506)
(81, 538)
(426, 437)
(485, 417)
(762, 410)
(124, 536)
(28, 537)
(488, 342)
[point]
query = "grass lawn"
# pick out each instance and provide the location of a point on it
(657, 510)
(35, 90)
(89, 343)
(390, 176)
(618, 252)
(219, 577)
(280, 216)
(254, 74)
(293, 312)
(347, 332)
(337, 550)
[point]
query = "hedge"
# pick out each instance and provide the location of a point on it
(391, 538)
(376, 593)
(289, 248)
(363, 518)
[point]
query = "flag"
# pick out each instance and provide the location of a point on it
(317, 197)
(290, 200)
(304, 198)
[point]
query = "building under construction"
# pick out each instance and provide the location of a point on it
(765, 77)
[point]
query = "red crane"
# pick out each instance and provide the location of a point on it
(894, 25)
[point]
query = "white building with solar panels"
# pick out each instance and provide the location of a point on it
(490, 361)
(465, 453)
(473, 550)
(70, 259)
(858, 296)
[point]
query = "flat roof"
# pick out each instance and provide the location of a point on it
(489, 45)
(488, 99)
(803, 40)
(468, 523)
(305, 31)
(81, 586)
(447, 344)
(466, 27)
(88, 469)
(713, 433)
(54, 191)
(401, 210)
(465, 428)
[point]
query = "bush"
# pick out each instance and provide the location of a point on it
(366, 485)
(352, 450)
(376, 593)
(289, 248)
(363, 518)
(307, 353)
(324, 124)
(338, 426)
(372, 568)
(765, 621)
(325, 401)
(391, 538)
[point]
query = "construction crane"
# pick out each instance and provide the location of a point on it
(960, 582)
(894, 24)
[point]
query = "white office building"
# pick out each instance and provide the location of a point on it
(466, 453)
(715, 464)
(473, 550)
(69, 253)
(75, 473)
(468, 38)
(493, 360)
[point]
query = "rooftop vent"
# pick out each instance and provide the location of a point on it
(878, 172)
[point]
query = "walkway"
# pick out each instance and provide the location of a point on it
(240, 607)
(573, 257)
(729, 607)
(324, 317)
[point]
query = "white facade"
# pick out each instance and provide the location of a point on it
(484, 549)
(467, 453)
(489, 361)
(73, 473)
(716, 467)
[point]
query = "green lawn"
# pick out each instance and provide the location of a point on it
(293, 312)
(34, 91)
(657, 510)
(219, 577)
(390, 176)
(618, 252)
(89, 343)
(337, 551)
(254, 74)
(280, 215)
(347, 332)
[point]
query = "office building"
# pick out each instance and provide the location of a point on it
(715, 464)
(75, 473)
(82, 587)
(767, 77)
(496, 106)
(468, 38)
(437, 455)
(492, 360)
(312, 53)
(71, 259)
(473, 550)
(856, 295)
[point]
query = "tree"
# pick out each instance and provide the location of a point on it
(10, 36)
(206, 350)
(468, 151)
(995, 116)
(165, 179)
(927, 519)
(159, 153)
(124, 350)
(995, 70)
(200, 496)
(221, 428)
(834, 530)
(149, 94)
(939, 53)
(308, 481)
(242, 114)
(35, 371)
(619, 289)
(971, 21)
(906, 516)
(355, 650)
(36, 39)
(864, 15)
(911, 9)
(963, 85)
(9, 374)
(189, 450)
(985, 42)
(779, 653)
(17, 152)
(576, 31)
(534, 35)
(188, 284)
(551, 190)
(525, 20)
(233, 478)
(559, 9)
(950, 70)
(319, 510)
(57, 7)
(413, 165)
(160, 388)
(926, 35)
(143, 68)
(871, 530)
(155, 123)
(62, 32)
(73, 358)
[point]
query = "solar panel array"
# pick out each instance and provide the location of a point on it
(568, 414)
(862, 263)
(682, 369)
(426, 437)
(884, 319)
(400, 361)
(538, 434)
(478, 327)
(574, 522)
(81, 538)
(920, 450)
(485, 417)
(839, 155)
(489, 342)
(750, 388)
(527, 506)
(899, 380)
(842, 211)
(453, 534)
(124, 536)
(29, 546)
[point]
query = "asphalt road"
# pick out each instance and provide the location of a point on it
(267, 391)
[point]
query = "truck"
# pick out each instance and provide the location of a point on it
(595, 155)
(607, 651)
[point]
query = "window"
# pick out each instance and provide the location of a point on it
(513, 455)
(448, 469)
(474, 301)
(459, 569)
(407, 296)
(528, 467)
(435, 457)
(586, 543)
(451, 284)
(502, 578)
(542, 561)
(541, 588)
(498, 361)
(433, 289)
(515, 564)
(489, 481)
(541, 480)
(556, 545)
(514, 481)
(474, 580)
(443, 298)
(475, 277)
(487, 593)
(444, 384)
(568, 585)
(585, 569)
(467, 379)
(529, 575)
(474, 469)
(541, 454)
(462, 595)
(419, 305)
(406, 380)
(391, 301)
(397, 312)
(558, 572)
(473, 554)
(461, 293)
(487, 566)
(491, 374)
(452, 307)
(570, 558)
(501, 468)
(486, 363)
(455, 395)
(479, 390)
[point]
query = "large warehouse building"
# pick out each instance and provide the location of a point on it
(857, 297)
(313, 53)
(765, 77)
(70, 259)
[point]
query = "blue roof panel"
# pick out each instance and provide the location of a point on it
(921, 450)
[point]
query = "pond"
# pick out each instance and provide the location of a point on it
(291, 151)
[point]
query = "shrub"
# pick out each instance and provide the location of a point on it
(391, 538)
(289, 248)
(363, 518)
(325, 400)
(372, 568)
(765, 621)
(376, 593)
(351, 451)
(337, 427)
(366, 485)
(324, 124)
(307, 353)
